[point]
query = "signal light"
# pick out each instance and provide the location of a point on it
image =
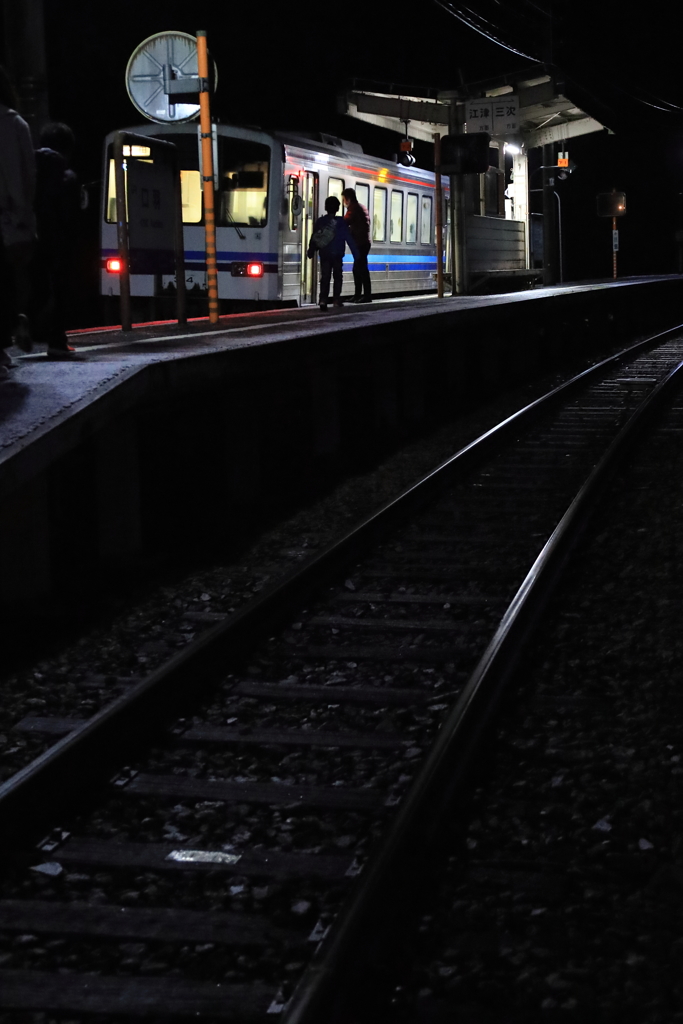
(254, 270)
(611, 204)
(114, 265)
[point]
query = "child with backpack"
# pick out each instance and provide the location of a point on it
(330, 237)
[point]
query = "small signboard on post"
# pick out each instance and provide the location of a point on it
(612, 204)
(151, 217)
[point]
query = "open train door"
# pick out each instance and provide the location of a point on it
(309, 215)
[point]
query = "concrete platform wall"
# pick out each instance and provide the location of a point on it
(183, 451)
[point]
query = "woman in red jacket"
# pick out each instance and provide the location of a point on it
(356, 217)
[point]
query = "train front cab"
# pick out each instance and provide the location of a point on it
(248, 195)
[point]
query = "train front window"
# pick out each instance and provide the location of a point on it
(190, 188)
(243, 182)
(190, 178)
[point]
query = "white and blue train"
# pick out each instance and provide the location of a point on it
(263, 229)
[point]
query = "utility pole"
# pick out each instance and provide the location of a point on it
(550, 249)
(25, 61)
(458, 247)
(439, 215)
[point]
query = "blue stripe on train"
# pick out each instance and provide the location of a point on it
(408, 258)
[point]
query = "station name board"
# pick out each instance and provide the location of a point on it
(495, 115)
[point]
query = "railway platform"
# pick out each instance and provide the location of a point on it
(185, 428)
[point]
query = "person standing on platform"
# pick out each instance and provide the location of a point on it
(357, 218)
(330, 238)
(17, 224)
(57, 209)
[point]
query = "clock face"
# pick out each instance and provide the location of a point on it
(155, 73)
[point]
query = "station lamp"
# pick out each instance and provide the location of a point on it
(611, 204)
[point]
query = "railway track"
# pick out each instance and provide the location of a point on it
(226, 839)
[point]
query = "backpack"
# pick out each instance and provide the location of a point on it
(324, 235)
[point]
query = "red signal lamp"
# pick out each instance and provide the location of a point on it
(114, 265)
(254, 270)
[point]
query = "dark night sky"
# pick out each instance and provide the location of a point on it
(280, 68)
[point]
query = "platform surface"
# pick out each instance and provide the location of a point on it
(40, 392)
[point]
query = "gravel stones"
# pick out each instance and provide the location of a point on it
(562, 899)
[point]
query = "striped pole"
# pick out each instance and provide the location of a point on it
(207, 175)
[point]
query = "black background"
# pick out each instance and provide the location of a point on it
(281, 66)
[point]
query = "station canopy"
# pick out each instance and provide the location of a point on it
(544, 113)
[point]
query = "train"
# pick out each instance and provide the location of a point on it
(271, 188)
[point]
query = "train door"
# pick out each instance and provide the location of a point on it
(309, 215)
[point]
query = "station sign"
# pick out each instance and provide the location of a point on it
(479, 117)
(495, 115)
(506, 115)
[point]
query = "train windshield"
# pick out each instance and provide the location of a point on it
(243, 182)
(190, 179)
(243, 166)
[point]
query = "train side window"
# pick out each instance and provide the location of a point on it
(396, 221)
(379, 214)
(335, 187)
(411, 219)
(363, 195)
(426, 220)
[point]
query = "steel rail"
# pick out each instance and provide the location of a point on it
(328, 982)
(73, 768)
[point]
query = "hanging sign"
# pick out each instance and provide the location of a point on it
(505, 114)
(479, 116)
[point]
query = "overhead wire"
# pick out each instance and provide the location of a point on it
(501, 35)
(487, 35)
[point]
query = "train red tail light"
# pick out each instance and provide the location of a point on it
(254, 270)
(114, 265)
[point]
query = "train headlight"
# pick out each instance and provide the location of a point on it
(114, 265)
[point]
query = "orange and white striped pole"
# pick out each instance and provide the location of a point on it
(207, 175)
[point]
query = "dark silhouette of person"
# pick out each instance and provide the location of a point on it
(335, 232)
(17, 223)
(357, 218)
(57, 209)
